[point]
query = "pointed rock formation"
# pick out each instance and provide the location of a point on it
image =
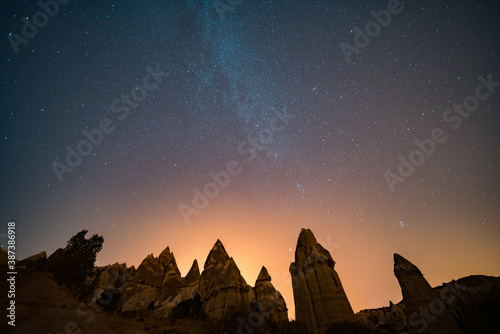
(391, 319)
(155, 280)
(55, 255)
(193, 276)
(318, 294)
(425, 311)
(188, 289)
(217, 256)
(161, 272)
(268, 300)
(223, 290)
(115, 276)
(112, 277)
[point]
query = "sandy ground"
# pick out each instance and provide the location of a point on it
(44, 307)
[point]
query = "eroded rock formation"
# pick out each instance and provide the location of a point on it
(115, 276)
(425, 311)
(268, 300)
(391, 319)
(224, 292)
(188, 289)
(319, 297)
(155, 280)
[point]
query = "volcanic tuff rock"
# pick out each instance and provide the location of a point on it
(474, 301)
(390, 319)
(268, 300)
(155, 280)
(425, 311)
(319, 297)
(161, 272)
(188, 289)
(115, 276)
(467, 291)
(223, 290)
(217, 255)
(193, 275)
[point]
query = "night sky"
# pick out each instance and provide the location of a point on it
(302, 123)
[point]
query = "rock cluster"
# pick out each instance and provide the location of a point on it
(224, 294)
(319, 297)
(391, 319)
(188, 289)
(114, 276)
(221, 296)
(155, 280)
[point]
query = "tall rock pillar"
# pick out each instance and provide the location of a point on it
(318, 294)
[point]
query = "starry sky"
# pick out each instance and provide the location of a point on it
(244, 121)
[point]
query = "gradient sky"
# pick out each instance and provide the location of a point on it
(228, 76)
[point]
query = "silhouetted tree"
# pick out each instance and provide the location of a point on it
(74, 268)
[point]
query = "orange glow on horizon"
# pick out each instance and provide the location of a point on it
(363, 257)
